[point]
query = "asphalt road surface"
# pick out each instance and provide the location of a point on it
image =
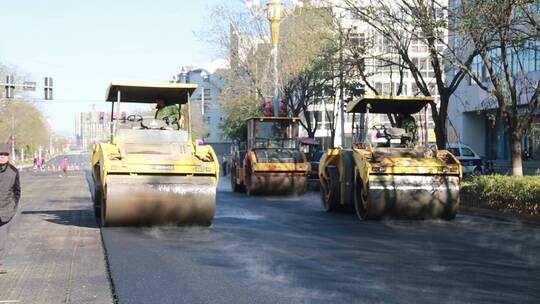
(287, 250)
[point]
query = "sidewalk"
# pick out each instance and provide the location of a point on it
(55, 252)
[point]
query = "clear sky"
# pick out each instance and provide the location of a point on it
(84, 45)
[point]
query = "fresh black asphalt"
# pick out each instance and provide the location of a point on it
(287, 250)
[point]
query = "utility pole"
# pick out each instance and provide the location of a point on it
(13, 135)
(341, 98)
(202, 102)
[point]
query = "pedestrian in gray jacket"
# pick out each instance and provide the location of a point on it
(10, 193)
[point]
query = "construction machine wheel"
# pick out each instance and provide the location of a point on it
(103, 209)
(249, 181)
(360, 199)
(234, 186)
(98, 196)
(450, 211)
(449, 215)
(98, 192)
(299, 186)
(330, 190)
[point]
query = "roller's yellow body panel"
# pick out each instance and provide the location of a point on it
(108, 156)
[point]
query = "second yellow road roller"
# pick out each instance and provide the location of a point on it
(151, 172)
(387, 173)
(269, 162)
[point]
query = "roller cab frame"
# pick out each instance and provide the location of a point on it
(384, 174)
(269, 161)
(148, 173)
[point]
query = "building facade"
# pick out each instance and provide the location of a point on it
(474, 114)
(206, 102)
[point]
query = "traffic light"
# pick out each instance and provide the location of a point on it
(268, 107)
(48, 88)
(283, 108)
(10, 86)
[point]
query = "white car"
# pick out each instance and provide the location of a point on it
(470, 160)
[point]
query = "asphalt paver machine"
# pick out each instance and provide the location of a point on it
(269, 162)
(385, 174)
(149, 173)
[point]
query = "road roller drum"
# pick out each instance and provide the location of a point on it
(159, 200)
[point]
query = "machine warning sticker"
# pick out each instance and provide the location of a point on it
(162, 167)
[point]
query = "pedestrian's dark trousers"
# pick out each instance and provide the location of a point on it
(4, 231)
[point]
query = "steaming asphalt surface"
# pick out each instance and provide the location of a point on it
(286, 250)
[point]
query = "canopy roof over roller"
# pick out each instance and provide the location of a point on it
(389, 104)
(174, 93)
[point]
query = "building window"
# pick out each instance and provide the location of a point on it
(207, 94)
(205, 76)
(417, 43)
(358, 39)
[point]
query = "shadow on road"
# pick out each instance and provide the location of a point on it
(72, 217)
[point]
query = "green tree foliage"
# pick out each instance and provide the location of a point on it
(21, 119)
(25, 122)
(237, 110)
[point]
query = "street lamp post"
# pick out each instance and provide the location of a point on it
(275, 12)
(204, 77)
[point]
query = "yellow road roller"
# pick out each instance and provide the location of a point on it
(269, 162)
(150, 173)
(387, 172)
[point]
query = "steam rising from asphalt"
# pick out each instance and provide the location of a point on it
(172, 232)
(239, 214)
(260, 267)
(508, 236)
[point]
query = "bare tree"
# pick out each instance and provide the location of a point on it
(407, 24)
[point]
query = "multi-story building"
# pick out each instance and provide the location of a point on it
(206, 101)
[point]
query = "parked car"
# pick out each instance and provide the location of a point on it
(471, 161)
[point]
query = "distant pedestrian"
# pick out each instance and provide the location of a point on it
(10, 193)
(64, 164)
(224, 163)
(39, 164)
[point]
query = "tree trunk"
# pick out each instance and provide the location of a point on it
(311, 133)
(515, 151)
(439, 118)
